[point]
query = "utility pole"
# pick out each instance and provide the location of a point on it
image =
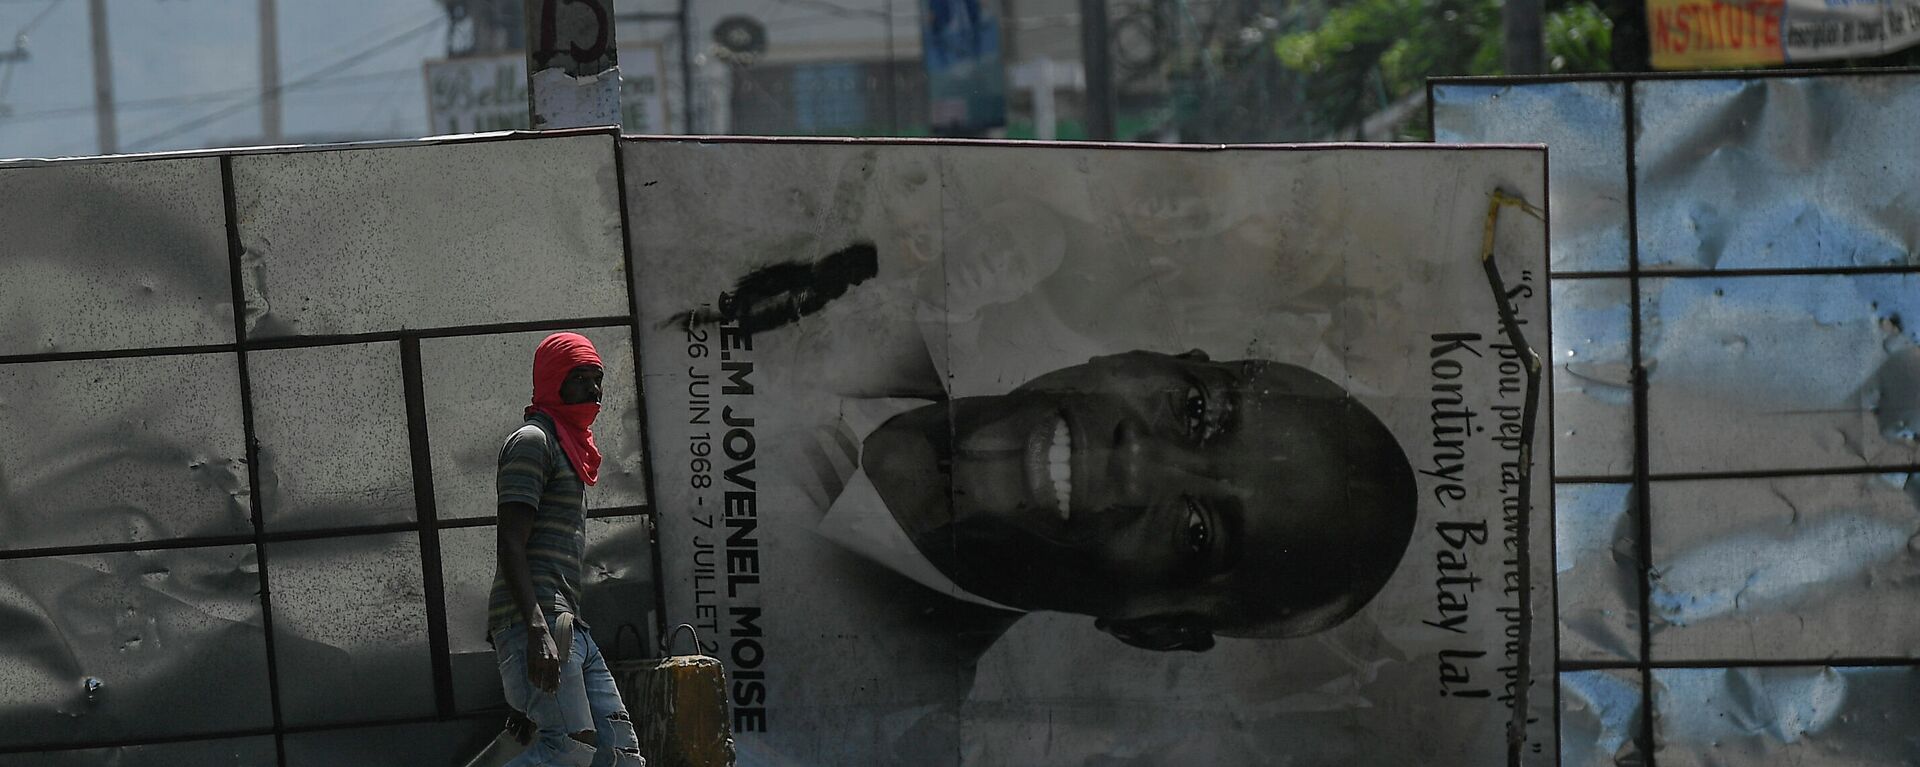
(1096, 57)
(269, 72)
(685, 12)
(893, 110)
(1630, 51)
(1526, 38)
(573, 67)
(104, 122)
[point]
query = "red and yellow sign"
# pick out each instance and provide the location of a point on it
(1693, 34)
(1708, 34)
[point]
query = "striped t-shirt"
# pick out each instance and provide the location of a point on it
(534, 470)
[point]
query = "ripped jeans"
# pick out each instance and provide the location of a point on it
(586, 701)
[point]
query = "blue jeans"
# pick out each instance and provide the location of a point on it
(586, 701)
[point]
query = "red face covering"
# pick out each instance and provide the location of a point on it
(552, 361)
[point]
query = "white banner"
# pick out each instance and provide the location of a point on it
(997, 455)
(1706, 34)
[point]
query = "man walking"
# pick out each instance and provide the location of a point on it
(550, 668)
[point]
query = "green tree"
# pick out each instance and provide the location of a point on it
(1367, 54)
(1579, 39)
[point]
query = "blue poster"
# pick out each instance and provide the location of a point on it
(966, 81)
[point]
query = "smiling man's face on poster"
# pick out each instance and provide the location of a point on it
(1170, 496)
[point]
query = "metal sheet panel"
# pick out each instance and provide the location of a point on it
(1781, 372)
(123, 450)
(1594, 542)
(431, 744)
(233, 752)
(618, 592)
(1592, 377)
(332, 426)
(1786, 568)
(618, 589)
(131, 645)
(113, 256)
(468, 562)
(1600, 718)
(477, 388)
(1801, 716)
(355, 241)
(1584, 128)
(350, 628)
(1778, 172)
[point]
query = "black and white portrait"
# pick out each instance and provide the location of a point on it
(990, 455)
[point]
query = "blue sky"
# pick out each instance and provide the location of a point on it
(178, 65)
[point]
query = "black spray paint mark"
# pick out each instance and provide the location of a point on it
(778, 295)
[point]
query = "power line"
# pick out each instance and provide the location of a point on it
(20, 39)
(315, 58)
(190, 98)
(41, 16)
(337, 66)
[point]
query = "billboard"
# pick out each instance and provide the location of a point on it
(966, 79)
(999, 454)
(1714, 34)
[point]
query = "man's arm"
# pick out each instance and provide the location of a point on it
(543, 658)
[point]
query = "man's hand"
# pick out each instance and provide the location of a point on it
(522, 728)
(543, 657)
(543, 660)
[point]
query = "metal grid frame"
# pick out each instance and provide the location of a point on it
(1642, 477)
(427, 523)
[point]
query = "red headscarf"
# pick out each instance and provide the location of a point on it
(557, 356)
